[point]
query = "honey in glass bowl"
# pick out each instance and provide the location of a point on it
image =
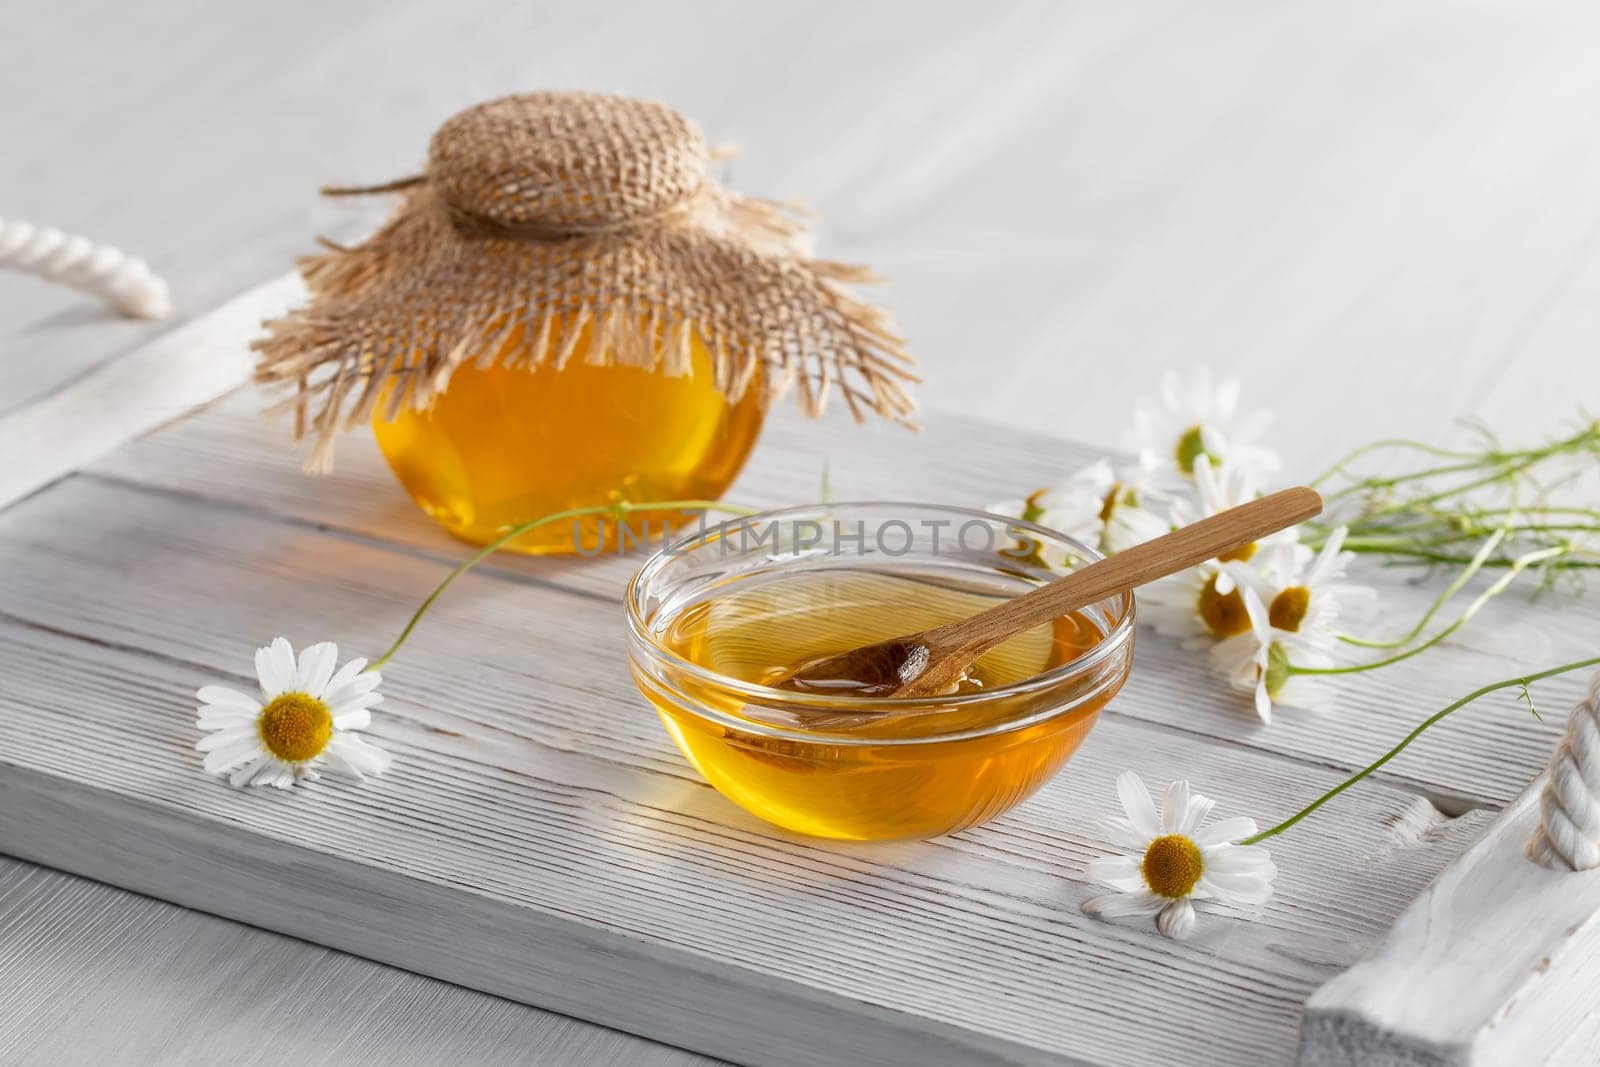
(507, 442)
(712, 626)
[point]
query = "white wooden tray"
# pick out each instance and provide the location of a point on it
(540, 838)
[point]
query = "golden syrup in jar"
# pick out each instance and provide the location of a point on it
(877, 775)
(505, 445)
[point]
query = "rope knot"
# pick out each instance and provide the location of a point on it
(1568, 837)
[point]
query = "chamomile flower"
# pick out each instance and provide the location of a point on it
(1261, 660)
(1201, 604)
(1301, 598)
(1291, 610)
(1177, 859)
(1107, 509)
(1194, 417)
(305, 719)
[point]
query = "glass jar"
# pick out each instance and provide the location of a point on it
(856, 767)
(567, 311)
(506, 444)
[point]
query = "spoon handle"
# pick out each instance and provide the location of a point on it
(1136, 566)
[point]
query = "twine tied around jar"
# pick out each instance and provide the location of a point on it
(545, 215)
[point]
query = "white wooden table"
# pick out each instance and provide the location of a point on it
(1382, 215)
(93, 974)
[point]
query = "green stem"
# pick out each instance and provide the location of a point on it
(1457, 560)
(1543, 509)
(618, 509)
(1450, 590)
(1374, 536)
(1505, 463)
(1499, 474)
(1524, 680)
(1388, 442)
(1517, 567)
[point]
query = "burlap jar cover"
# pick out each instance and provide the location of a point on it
(542, 213)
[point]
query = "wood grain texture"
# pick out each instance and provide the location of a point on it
(158, 382)
(540, 838)
(934, 661)
(1482, 756)
(94, 974)
(1485, 967)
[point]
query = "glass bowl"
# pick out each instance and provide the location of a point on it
(854, 767)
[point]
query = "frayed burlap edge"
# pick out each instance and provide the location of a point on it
(392, 318)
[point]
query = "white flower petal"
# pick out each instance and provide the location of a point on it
(356, 719)
(221, 696)
(1122, 832)
(1328, 560)
(1121, 905)
(345, 673)
(1176, 920)
(213, 741)
(1196, 401)
(1224, 831)
(351, 689)
(1263, 701)
(229, 719)
(1199, 810)
(1238, 888)
(1309, 694)
(1175, 806)
(1137, 803)
(1256, 609)
(316, 667)
(358, 703)
(212, 719)
(242, 776)
(1231, 873)
(1234, 859)
(269, 771)
(1119, 872)
(275, 668)
(236, 750)
(335, 761)
(361, 757)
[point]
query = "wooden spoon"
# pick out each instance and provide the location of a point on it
(932, 662)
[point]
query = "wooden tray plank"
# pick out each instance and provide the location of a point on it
(72, 949)
(1496, 962)
(539, 838)
(107, 405)
(1482, 757)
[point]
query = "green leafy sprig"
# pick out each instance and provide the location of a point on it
(1441, 513)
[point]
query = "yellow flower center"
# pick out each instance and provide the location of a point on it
(1288, 609)
(1242, 554)
(1033, 508)
(1224, 615)
(295, 727)
(1191, 446)
(1109, 504)
(1172, 866)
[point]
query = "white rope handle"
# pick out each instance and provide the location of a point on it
(1568, 837)
(124, 282)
